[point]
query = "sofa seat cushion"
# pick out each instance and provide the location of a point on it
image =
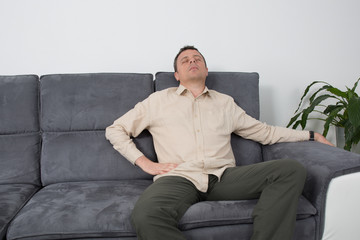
(218, 213)
(79, 210)
(12, 198)
(103, 209)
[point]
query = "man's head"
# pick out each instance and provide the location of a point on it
(190, 64)
(184, 49)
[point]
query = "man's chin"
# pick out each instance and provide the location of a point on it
(197, 77)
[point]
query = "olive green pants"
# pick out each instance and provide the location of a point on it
(278, 185)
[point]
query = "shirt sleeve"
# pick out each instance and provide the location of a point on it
(251, 128)
(131, 124)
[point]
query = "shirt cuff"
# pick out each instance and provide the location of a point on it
(133, 155)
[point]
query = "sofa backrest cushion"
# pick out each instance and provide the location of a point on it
(244, 88)
(19, 104)
(75, 110)
(19, 129)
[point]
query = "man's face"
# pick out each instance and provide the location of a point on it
(190, 66)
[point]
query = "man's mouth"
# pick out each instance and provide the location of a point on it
(193, 68)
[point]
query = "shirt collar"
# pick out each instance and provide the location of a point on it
(181, 89)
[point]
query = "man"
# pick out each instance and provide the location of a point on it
(191, 128)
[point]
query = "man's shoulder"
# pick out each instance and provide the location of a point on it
(161, 94)
(165, 91)
(220, 95)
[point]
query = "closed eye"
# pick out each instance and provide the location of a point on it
(185, 60)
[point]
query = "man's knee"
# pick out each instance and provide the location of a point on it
(143, 215)
(147, 215)
(293, 169)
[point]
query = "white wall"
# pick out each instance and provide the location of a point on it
(290, 43)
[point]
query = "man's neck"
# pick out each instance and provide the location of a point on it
(195, 89)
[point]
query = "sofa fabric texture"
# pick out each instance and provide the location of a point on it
(20, 144)
(322, 164)
(76, 109)
(19, 104)
(61, 179)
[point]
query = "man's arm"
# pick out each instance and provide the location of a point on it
(130, 125)
(251, 128)
(119, 134)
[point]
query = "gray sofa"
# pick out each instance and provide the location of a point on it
(61, 179)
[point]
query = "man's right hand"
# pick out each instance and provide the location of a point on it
(154, 168)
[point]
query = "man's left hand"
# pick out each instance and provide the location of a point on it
(320, 138)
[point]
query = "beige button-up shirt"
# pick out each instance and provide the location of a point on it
(193, 132)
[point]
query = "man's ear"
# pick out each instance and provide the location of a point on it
(176, 75)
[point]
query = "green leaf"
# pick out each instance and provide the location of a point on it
(354, 111)
(314, 104)
(333, 114)
(330, 108)
(356, 137)
(348, 130)
(342, 122)
(306, 92)
(311, 99)
(337, 92)
(355, 85)
(293, 119)
(352, 135)
(296, 124)
(350, 94)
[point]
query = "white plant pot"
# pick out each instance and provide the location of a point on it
(340, 140)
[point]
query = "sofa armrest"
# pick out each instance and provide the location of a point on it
(322, 162)
(342, 208)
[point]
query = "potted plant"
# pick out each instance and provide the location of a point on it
(344, 112)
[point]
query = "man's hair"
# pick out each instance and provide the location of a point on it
(184, 49)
